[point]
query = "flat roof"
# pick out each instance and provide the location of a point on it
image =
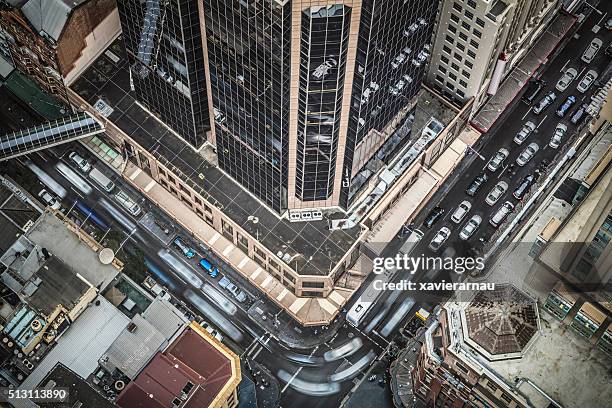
(80, 390)
(51, 233)
(312, 247)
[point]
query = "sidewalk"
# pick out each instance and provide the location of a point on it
(523, 71)
(401, 375)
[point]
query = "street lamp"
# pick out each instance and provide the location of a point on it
(477, 154)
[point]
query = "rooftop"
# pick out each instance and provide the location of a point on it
(51, 233)
(49, 16)
(193, 358)
(502, 322)
(311, 248)
(81, 393)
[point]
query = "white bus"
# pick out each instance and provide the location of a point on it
(370, 295)
(73, 178)
(100, 179)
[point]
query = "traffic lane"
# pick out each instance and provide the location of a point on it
(150, 246)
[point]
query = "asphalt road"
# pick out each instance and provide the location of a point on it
(500, 136)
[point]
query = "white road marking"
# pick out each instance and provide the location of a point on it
(527, 113)
(602, 19)
(542, 121)
(564, 65)
(42, 157)
(314, 350)
(581, 71)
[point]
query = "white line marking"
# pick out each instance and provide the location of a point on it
(564, 65)
(542, 121)
(580, 73)
(291, 380)
(527, 113)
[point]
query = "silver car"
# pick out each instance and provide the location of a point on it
(587, 80)
(527, 154)
(544, 102)
(591, 50)
(470, 227)
(498, 159)
(439, 239)
(496, 193)
(461, 211)
(567, 78)
(556, 138)
(524, 133)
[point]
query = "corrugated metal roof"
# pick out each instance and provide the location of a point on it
(49, 16)
(165, 317)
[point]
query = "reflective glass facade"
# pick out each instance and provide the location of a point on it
(249, 56)
(323, 47)
(392, 51)
(163, 40)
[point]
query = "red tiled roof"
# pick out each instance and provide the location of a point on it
(190, 358)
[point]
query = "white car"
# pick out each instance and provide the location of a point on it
(80, 162)
(497, 160)
(470, 227)
(212, 331)
(461, 211)
(439, 239)
(567, 78)
(524, 133)
(49, 199)
(527, 154)
(591, 50)
(496, 193)
(501, 214)
(399, 60)
(587, 80)
(556, 138)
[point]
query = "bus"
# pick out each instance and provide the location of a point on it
(91, 215)
(370, 295)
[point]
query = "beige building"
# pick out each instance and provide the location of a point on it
(53, 41)
(476, 39)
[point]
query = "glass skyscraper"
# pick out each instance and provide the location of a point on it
(304, 91)
(164, 43)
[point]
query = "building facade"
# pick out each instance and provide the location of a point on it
(166, 51)
(303, 90)
(54, 41)
(473, 37)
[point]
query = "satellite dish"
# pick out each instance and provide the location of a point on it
(106, 256)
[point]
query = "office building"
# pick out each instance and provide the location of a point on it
(498, 350)
(476, 39)
(53, 41)
(166, 52)
(307, 92)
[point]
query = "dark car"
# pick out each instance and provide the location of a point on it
(476, 184)
(569, 102)
(524, 186)
(535, 87)
(578, 114)
(433, 216)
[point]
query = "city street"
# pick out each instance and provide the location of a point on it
(501, 135)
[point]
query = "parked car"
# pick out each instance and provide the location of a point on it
(433, 216)
(476, 184)
(556, 138)
(534, 89)
(439, 239)
(81, 163)
(501, 214)
(523, 187)
(128, 203)
(527, 154)
(566, 79)
(461, 211)
(101, 180)
(609, 24)
(587, 80)
(224, 282)
(470, 227)
(544, 102)
(180, 244)
(579, 114)
(500, 188)
(565, 106)
(497, 160)
(48, 199)
(212, 331)
(210, 269)
(227, 284)
(524, 133)
(591, 50)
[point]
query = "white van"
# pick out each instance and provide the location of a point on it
(127, 202)
(100, 179)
